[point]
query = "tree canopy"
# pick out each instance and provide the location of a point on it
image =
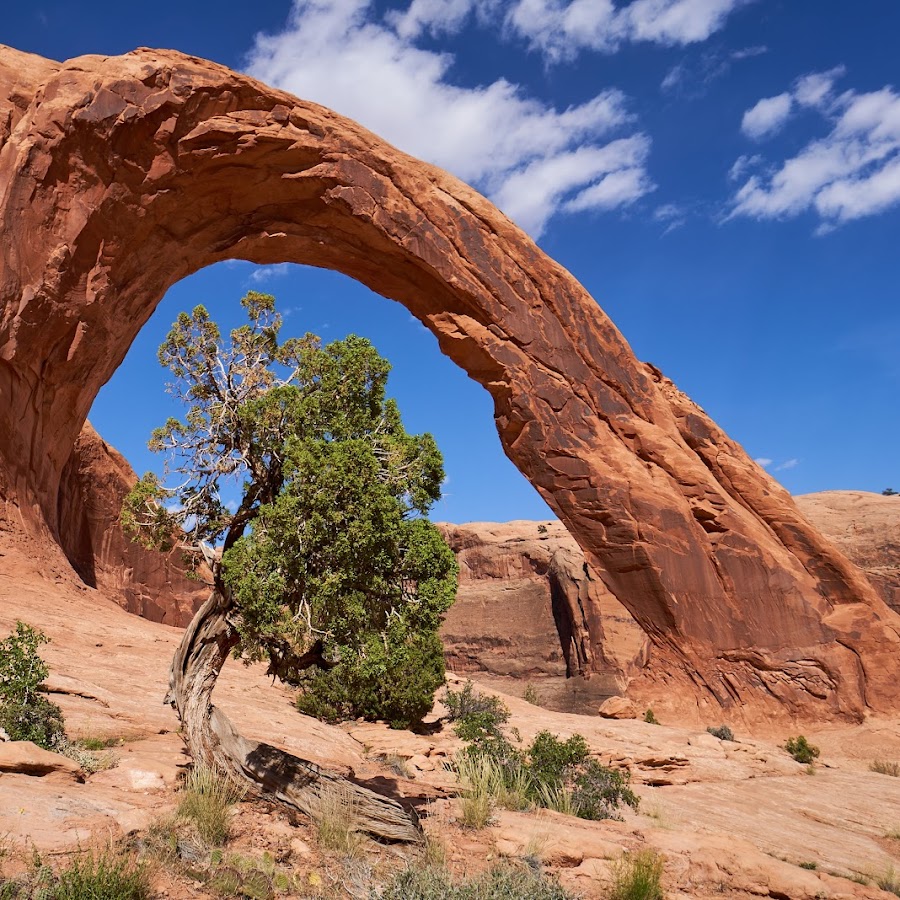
(329, 569)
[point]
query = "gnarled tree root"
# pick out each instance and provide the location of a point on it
(212, 740)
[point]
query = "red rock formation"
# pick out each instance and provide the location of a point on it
(121, 175)
(864, 526)
(529, 607)
(150, 584)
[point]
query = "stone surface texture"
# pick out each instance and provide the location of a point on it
(121, 175)
(151, 584)
(864, 526)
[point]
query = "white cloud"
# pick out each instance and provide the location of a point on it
(767, 117)
(671, 215)
(851, 172)
(764, 461)
(262, 274)
(560, 30)
(787, 464)
(523, 153)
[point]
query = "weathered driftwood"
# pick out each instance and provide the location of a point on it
(212, 740)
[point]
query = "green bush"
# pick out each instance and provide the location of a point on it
(638, 876)
(650, 718)
(25, 714)
(477, 716)
(801, 749)
(723, 732)
(500, 883)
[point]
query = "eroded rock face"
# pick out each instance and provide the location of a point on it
(528, 606)
(121, 175)
(866, 527)
(151, 584)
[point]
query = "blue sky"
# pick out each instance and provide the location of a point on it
(722, 175)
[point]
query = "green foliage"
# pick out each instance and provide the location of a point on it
(206, 800)
(801, 749)
(722, 732)
(500, 883)
(638, 876)
(551, 772)
(25, 714)
(336, 577)
(478, 717)
(100, 874)
(650, 718)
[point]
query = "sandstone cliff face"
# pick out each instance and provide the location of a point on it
(864, 526)
(528, 606)
(150, 584)
(121, 175)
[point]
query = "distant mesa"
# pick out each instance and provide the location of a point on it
(119, 176)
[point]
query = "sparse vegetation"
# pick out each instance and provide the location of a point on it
(888, 881)
(638, 876)
(206, 801)
(397, 764)
(801, 749)
(812, 866)
(722, 732)
(96, 874)
(531, 695)
(25, 713)
(885, 767)
(500, 883)
(337, 823)
(551, 772)
(650, 718)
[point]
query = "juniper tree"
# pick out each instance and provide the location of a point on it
(326, 569)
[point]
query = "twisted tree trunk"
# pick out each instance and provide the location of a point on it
(212, 740)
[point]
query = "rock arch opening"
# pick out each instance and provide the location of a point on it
(120, 176)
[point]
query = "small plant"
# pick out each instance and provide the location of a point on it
(801, 749)
(477, 716)
(25, 713)
(337, 822)
(650, 718)
(542, 529)
(397, 764)
(888, 880)
(481, 778)
(531, 695)
(893, 834)
(812, 866)
(206, 800)
(638, 876)
(885, 767)
(500, 883)
(723, 732)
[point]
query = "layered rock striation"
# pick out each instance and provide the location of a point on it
(121, 175)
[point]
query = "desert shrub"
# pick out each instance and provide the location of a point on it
(885, 767)
(481, 778)
(638, 876)
(500, 883)
(97, 874)
(888, 880)
(477, 716)
(25, 714)
(722, 732)
(650, 718)
(206, 801)
(599, 792)
(531, 695)
(801, 749)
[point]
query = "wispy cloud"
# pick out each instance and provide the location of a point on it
(764, 461)
(691, 77)
(852, 172)
(767, 116)
(671, 215)
(787, 464)
(535, 161)
(262, 274)
(561, 30)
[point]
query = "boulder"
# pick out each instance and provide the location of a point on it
(26, 758)
(618, 708)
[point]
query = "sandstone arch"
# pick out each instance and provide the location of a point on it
(120, 176)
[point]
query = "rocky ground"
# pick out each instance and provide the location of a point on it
(735, 819)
